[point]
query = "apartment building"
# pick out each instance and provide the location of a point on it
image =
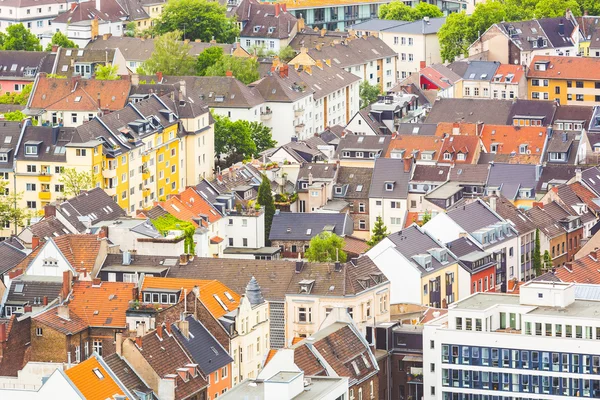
(533, 345)
(20, 68)
(264, 25)
(37, 16)
(388, 193)
(568, 80)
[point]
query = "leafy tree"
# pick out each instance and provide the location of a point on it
(75, 182)
(244, 69)
(107, 72)
(61, 40)
(233, 140)
(9, 212)
(168, 223)
(556, 8)
(207, 58)
(326, 247)
(485, 15)
(423, 10)
(368, 93)
(454, 36)
(591, 6)
(170, 56)
(547, 261)
(380, 232)
(18, 37)
(397, 10)
(200, 19)
(537, 254)
(519, 10)
(140, 71)
(130, 29)
(265, 199)
(17, 97)
(426, 217)
(14, 116)
(262, 137)
(286, 53)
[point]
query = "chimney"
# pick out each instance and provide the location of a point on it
(537, 204)
(182, 88)
(135, 79)
(301, 24)
(98, 5)
(595, 254)
(103, 232)
(229, 74)
(119, 343)
(96, 282)
(277, 10)
(14, 274)
(328, 62)
(422, 64)
(493, 201)
(98, 101)
(2, 333)
(284, 7)
(159, 76)
(66, 284)
(184, 328)
(63, 311)
(140, 331)
(456, 128)
(310, 178)
(138, 339)
(318, 46)
(283, 71)
(35, 242)
(27, 308)
(159, 331)
(407, 164)
(73, 5)
(49, 210)
(166, 387)
(54, 48)
(578, 175)
(183, 259)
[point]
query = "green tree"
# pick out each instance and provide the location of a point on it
(547, 261)
(368, 93)
(519, 10)
(14, 116)
(426, 217)
(556, 8)
(244, 69)
(537, 254)
(261, 136)
(454, 36)
(380, 232)
(17, 97)
(397, 10)
(485, 15)
(265, 199)
(107, 72)
(326, 247)
(170, 56)
(61, 40)
(18, 37)
(75, 182)
(233, 140)
(10, 213)
(130, 29)
(200, 19)
(591, 6)
(286, 53)
(423, 10)
(207, 58)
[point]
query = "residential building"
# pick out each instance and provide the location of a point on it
(487, 230)
(292, 232)
(459, 147)
(385, 115)
(574, 199)
(438, 77)
(87, 20)
(520, 192)
(420, 269)
(531, 113)
(142, 13)
(568, 80)
(361, 150)
(332, 16)
(583, 269)
(477, 79)
(519, 42)
(352, 186)
(572, 223)
(415, 43)
(71, 102)
(83, 62)
(490, 343)
(512, 144)
(130, 379)
(19, 68)
(423, 149)
(12, 252)
(37, 17)
(509, 82)
(469, 110)
(553, 236)
(263, 25)
(479, 264)
(26, 293)
(93, 378)
(424, 180)
(388, 194)
(314, 185)
(472, 178)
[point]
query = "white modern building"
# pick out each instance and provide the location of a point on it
(35, 15)
(540, 344)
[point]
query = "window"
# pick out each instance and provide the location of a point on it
(97, 346)
(30, 187)
(389, 186)
(31, 204)
(39, 331)
(361, 207)
(31, 150)
(304, 314)
(447, 156)
(80, 152)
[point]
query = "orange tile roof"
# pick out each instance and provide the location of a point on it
(69, 326)
(455, 144)
(509, 138)
(208, 290)
(270, 355)
(355, 245)
(447, 129)
(179, 210)
(586, 195)
(505, 69)
(198, 204)
(89, 384)
(411, 143)
(216, 239)
(411, 217)
(583, 270)
(79, 94)
(102, 305)
(560, 67)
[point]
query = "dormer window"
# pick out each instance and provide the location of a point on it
(3, 157)
(271, 29)
(447, 156)
(541, 66)
(338, 190)
(389, 186)
(304, 185)
(346, 154)
(523, 149)
(31, 150)
(256, 29)
(494, 148)
(460, 157)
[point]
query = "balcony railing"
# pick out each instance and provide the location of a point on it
(266, 115)
(299, 128)
(298, 112)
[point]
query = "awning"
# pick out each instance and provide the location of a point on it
(413, 358)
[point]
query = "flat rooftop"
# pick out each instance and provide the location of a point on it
(254, 390)
(483, 301)
(579, 308)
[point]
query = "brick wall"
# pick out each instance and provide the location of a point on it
(107, 336)
(17, 351)
(357, 216)
(287, 250)
(51, 346)
(366, 388)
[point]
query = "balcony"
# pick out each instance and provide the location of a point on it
(44, 195)
(415, 375)
(266, 115)
(299, 128)
(111, 191)
(109, 173)
(299, 112)
(145, 156)
(146, 191)
(45, 177)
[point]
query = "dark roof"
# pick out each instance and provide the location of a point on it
(110, 10)
(517, 217)
(48, 227)
(304, 226)
(555, 173)
(547, 27)
(544, 222)
(204, 349)
(551, 28)
(591, 178)
(332, 133)
(52, 143)
(574, 113)
(128, 377)
(494, 112)
(95, 202)
(353, 52)
(458, 67)
(505, 176)
(322, 81)
(477, 173)
(25, 289)
(133, 9)
(309, 38)
(417, 129)
(571, 200)
(462, 246)
(275, 88)
(480, 70)
(24, 65)
(531, 108)
(9, 136)
(430, 173)
(389, 170)
(265, 20)
(353, 177)
(10, 256)
(319, 171)
(473, 216)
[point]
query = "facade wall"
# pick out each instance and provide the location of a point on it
(393, 218)
(251, 346)
(495, 43)
(568, 92)
(482, 281)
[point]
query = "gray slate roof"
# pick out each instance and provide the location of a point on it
(505, 176)
(94, 201)
(305, 226)
(354, 52)
(476, 173)
(591, 178)
(481, 70)
(494, 112)
(473, 216)
(10, 256)
(378, 144)
(417, 129)
(531, 108)
(389, 170)
(507, 210)
(414, 27)
(25, 289)
(430, 173)
(204, 349)
(126, 374)
(9, 136)
(353, 177)
(16, 63)
(48, 227)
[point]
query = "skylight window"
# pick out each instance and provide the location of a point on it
(359, 188)
(218, 299)
(19, 288)
(214, 350)
(77, 99)
(69, 53)
(98, 373)
(7, 139)
(229, 296)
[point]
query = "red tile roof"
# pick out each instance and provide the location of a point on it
(583, 270)
(560, 67)
(79, 95)
(410, 143)
(198, 204)
(448, 128)
(586, 195)
(101, 305)
(505, 69)
(435, 77)
(509, 139)
(355, 245)
(460, 144)
(69, 326)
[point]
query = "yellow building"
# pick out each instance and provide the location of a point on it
(569, 80)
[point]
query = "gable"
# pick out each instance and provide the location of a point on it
(49, 261)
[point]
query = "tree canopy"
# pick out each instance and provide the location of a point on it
(107, 72)
(380, 232)
(198, 19)
(17, 37)
(17, 97)
(61, 40)
(233, 140)
(244, 69)
(9, 212)
(171, 56)
(398, 10)
(265, 199)
(326, 247)
(368, 93)
(207, 58)
(75, 182)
